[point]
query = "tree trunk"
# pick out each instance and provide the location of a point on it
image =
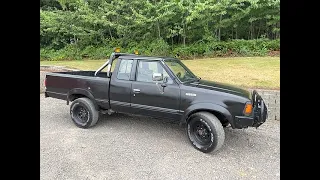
(110, 33)
(232, 33)
(278, 25)
(236, 33)
(216, 33)
(219, 31)
(184, 35)
(117, 19)
(172, 42)
(158, 26)
(251, 31)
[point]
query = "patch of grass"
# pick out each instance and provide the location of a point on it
(247, 72)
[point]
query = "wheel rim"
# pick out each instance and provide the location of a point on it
(201, 133)
(81, 114)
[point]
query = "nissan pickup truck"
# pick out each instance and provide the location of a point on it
(161, 87)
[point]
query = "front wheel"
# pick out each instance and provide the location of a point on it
(83, 113)
(205, 132)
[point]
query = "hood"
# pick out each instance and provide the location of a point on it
(211, 85)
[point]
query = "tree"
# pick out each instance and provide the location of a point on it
(84, 23)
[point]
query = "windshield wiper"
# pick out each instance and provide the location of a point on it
(192, 79)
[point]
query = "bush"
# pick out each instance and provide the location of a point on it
(273, 45)
(96, 52)
(69, 52)
(159, 47)
(46, 54)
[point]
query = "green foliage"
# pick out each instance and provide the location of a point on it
(69, 52)
(96, 52)
(158, 47)
(259, 47)
(72, 29)
(273, 45)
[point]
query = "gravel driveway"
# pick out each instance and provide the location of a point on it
(133, 147)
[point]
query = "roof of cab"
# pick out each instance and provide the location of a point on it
(144, 57)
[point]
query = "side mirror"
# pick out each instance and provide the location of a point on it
(157, 77)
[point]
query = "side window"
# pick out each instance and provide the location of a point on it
(146, 69)
(124, 69)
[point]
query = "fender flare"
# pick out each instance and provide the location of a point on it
(84, 93)
(206, 107)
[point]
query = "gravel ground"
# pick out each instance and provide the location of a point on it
(133, 147)
(42, 76)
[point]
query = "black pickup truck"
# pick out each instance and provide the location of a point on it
(161, 87)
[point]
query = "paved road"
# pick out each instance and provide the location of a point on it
(133, 147)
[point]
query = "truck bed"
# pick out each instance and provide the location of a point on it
(61, 84)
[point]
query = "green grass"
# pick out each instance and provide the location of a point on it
(247, 72)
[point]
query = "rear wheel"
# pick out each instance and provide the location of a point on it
(83, 113)
(205, 132)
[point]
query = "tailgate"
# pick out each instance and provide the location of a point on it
(57, 85)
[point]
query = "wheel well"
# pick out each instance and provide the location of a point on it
(76, 96)
(73, 97)
(219, 115)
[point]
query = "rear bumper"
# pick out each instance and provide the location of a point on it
(259, 115)
(55, 95)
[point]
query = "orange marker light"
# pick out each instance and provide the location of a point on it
(248, 109)
(117, 50)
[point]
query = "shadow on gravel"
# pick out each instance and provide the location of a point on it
(236, 140)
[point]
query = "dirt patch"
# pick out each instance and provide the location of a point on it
(56, 69)
(48, 70)
(274, 53)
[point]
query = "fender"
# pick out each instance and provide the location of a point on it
(82, 92)
(208, 107)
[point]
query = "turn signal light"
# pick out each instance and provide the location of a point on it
(248, 109)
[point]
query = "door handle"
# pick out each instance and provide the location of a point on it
(136, 90)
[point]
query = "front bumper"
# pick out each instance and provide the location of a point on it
(258, 117)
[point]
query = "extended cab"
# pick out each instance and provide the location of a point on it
(161, 87)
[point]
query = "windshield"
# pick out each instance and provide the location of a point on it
(180, 70)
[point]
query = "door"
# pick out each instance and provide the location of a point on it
(154, 98)
(120, 86)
